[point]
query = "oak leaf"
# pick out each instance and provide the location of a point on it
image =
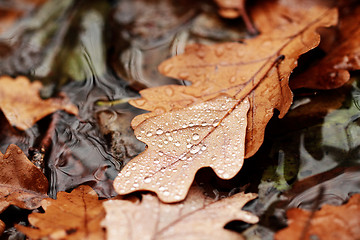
(332, 71)
(22, 105)
(21, 183)
(198, 217)
(330, 223)
(75, 215)
(190, 127)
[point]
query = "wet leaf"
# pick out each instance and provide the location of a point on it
(21, 183)
(181, 142)
(331, 222)
(152, 219)
(332, 71)
(22, 105)
(226, 78)
(75, 215)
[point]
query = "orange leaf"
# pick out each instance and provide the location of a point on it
(183, 141)
(330, 223)
(21, 183)
(333, 70)
(198, 217)
(226, 78)
(22, 105)
(75, 215)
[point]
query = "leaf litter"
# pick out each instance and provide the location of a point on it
(63, 157)
(228, 68)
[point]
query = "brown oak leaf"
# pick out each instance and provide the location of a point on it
(22, 105)
(75, 215)
(190, 127)
(332, 71)
(198, 217)
(21, 183)
(330, 222)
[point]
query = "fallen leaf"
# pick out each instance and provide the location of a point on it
(75, 215)
(22, 105)
(332, 71)
(198, 217)
(21, 183)
(190, 127)
(331, 222)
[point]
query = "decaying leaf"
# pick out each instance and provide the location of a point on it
(21, 183)
(344, 56)
(330, 223)
(75, 215)
(198, 217)
(22, 105)
(190, 127)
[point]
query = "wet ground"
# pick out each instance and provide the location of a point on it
(101, 53)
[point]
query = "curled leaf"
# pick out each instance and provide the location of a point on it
(332, 71)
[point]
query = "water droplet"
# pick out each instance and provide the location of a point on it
(147, 180)
(166, 141)
(191, 124)
(159, 131)
(240, 53)
(149, 134)
(204, 124)
(189, 145)
(177, 197)
(167, 68)
(169, 91)
(216, 122)
(226, 175)
(177, 144)
(127, 174)
(160, 153)
(183, 75)
(170, 139)
(195, 137)
(195, 149)
(203, 148)
(221, 171)
(133, 168)
(140, 102)
(159, 110)
(156, 161)
(162, 188)
(184, 126)
(138, 137)
(200, 54)
(166, 193)
(219, 51)
(136, 185)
